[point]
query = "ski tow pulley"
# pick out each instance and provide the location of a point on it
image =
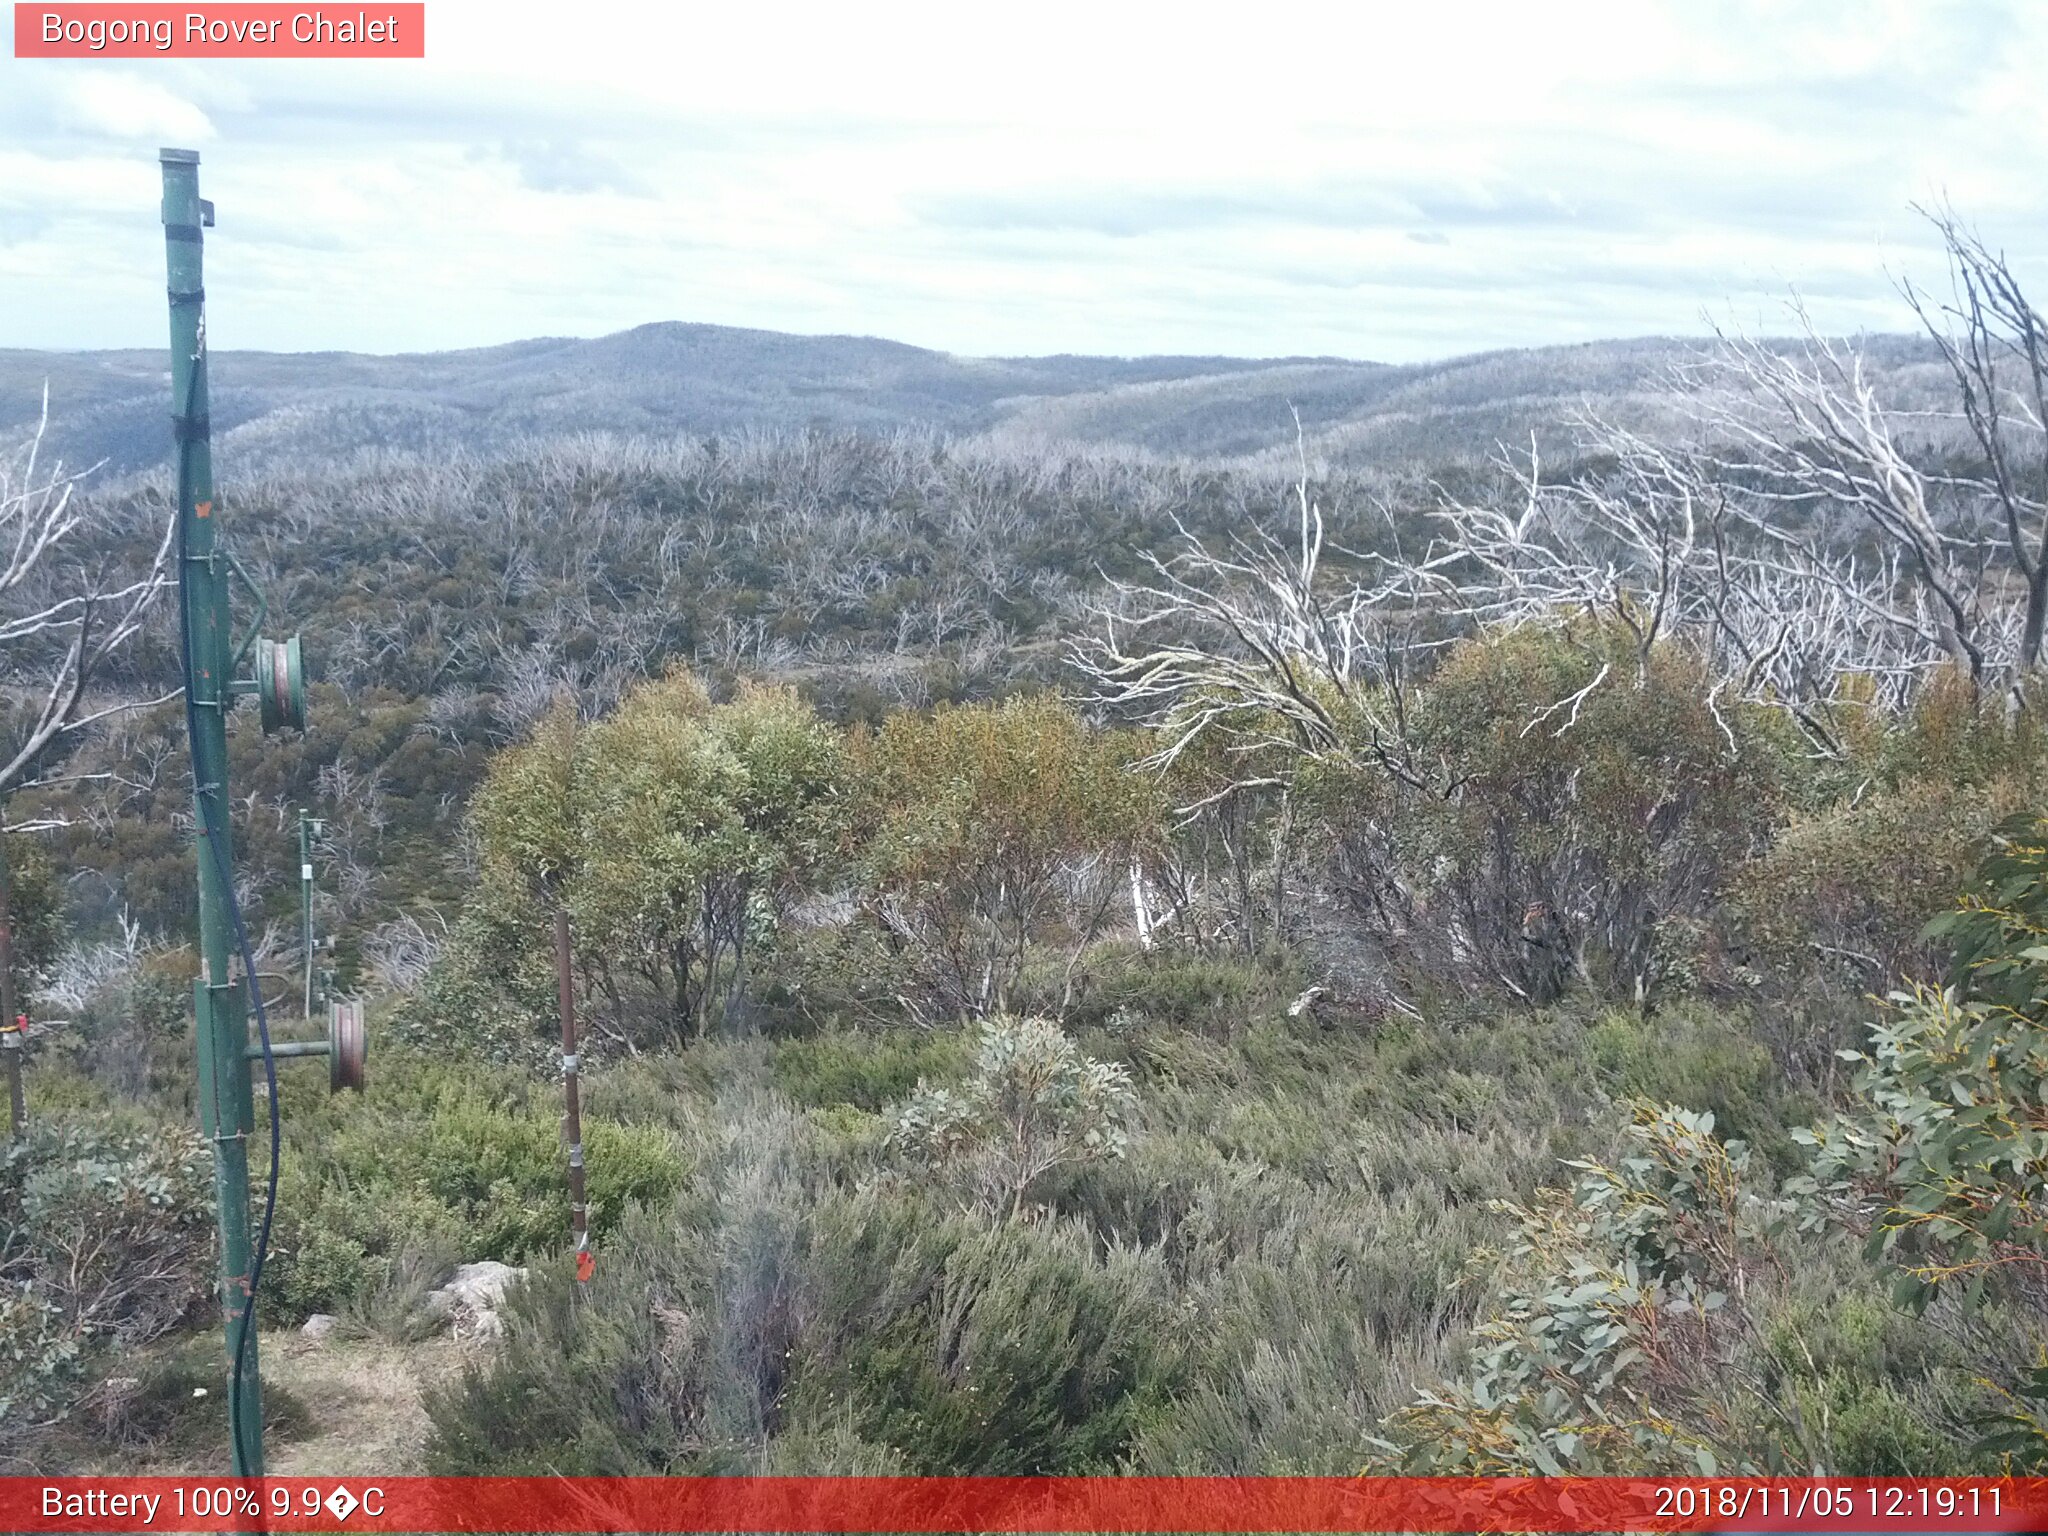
(280, 685)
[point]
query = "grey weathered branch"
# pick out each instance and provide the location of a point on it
(65, 624)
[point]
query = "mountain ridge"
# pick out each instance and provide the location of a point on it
(670, 377)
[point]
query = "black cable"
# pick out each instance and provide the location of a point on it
(213, 836)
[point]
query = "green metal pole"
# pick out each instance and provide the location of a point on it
(226, 1108)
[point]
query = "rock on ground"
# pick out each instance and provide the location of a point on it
(471, 1301)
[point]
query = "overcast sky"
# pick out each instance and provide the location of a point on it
(1371, 179)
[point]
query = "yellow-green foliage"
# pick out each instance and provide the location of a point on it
(671, 830)
(1567, 825)
(1849, 883)
(971, 819)
(527, 812)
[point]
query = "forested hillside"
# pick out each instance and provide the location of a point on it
(272, 411)
(1094, 955)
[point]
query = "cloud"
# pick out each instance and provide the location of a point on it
(1373, 182)
(1338, 203)
(559, 165)
(123, 105)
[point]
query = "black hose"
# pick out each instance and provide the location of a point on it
(213, 836)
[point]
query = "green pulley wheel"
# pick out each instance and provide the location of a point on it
(280, 685)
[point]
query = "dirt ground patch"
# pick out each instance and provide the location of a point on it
(333, 1408)
(362, 1402)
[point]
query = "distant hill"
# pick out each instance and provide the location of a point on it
(660, 379)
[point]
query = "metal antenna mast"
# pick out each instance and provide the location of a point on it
(226, 1106)
(211, 659)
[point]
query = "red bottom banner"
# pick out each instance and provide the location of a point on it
(1052, 1504)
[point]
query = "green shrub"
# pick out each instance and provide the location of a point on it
(38, 1357)
(112, 1224)
(1874, 1431)
(35, 912)
(972, 824)
(1843, 894)
(1124, 989)
(1887, 1396)
(105, 1238)
(563, 1393)
(1885, 839)
(319, 1269)
(489, 997)
(1947, 1141)
(772, 1309)
(1029, 1356)
(467, 1162)
(1033, 1104)
(1614, 1345)
(502, 1174)
(1580, 806)
(1696, 1055)
(868, 1071)
(132, 1034)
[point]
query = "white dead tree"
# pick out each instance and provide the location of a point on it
(1255, 649)
(1801, 542)
(1996, 345)
(1809, 446)
(1797, 545)
(400, 953)
(1254, 643)
(60, 622)
(1687, 543)
(1806, 543)
(1811, 555)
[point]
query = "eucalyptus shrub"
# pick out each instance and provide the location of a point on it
(1946, 1156)
(1034, 1103)
(111, 1222)
(989, 833)
(1943, 1161)
(106, 1238)
(1883, 839)
(1613, 1347)
(1575, 811)
(38, 1357)
(676, 832)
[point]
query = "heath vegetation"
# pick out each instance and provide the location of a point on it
(1095, 961)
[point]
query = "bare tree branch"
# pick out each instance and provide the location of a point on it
(57, 618)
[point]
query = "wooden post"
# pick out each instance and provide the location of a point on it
(11, 1043)
(572, 1119)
